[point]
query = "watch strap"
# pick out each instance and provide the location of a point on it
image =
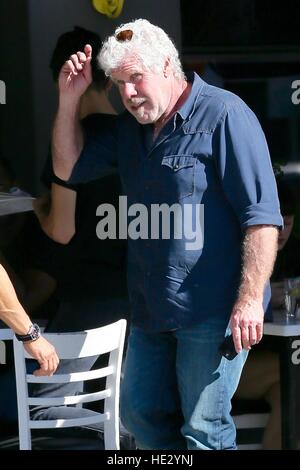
(33, 334)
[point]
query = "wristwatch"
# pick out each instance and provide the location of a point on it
(33, 334)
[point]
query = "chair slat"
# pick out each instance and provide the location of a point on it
(74, 377)
(80, 347)
(71, 400)
(68, 423)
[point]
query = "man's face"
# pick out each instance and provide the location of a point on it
(285, 233)
(145, 94)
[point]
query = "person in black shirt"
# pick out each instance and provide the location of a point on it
(91, 273)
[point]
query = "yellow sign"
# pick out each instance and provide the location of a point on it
(110, 8)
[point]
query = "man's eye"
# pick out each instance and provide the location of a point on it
(136, 78)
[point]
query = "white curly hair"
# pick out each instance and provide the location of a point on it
(149, 44)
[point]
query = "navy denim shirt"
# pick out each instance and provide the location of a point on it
(212, 152)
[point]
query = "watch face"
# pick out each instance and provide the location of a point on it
(33, 334)
(35, 331)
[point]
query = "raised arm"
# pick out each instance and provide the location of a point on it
(259, 253)
(67, 141)
(13, 314)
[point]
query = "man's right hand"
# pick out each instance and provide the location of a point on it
(45, 354)
(76, 74)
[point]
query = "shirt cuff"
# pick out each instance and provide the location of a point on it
(261, 214)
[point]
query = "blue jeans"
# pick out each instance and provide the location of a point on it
(177, 388)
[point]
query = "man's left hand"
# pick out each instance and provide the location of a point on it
(246, 323)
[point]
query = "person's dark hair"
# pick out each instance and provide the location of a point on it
(286, 196)
(73, 41)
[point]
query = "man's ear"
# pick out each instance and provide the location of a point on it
(167, 68)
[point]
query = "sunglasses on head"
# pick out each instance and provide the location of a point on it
(124, 35)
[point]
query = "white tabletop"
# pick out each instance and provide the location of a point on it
(13, 204)
(282, 326)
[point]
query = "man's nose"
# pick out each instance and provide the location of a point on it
(129, 90)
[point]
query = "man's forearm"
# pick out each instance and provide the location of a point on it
(67, 139)
(11, 311)
(259, 254)
(13, 314)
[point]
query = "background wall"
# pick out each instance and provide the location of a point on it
(17, 132)
(29, 32)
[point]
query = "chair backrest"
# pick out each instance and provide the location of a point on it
(107, 339)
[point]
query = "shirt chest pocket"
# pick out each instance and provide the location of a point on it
(177, 173)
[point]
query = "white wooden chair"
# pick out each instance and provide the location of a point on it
(107, 339)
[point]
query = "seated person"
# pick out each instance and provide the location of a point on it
(22, 254)
(91, 273)
(261, 375)
(22, 248)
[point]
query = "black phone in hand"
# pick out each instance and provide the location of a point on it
(227, 348)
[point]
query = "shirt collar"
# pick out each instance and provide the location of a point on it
(187, 108)
(197, 84)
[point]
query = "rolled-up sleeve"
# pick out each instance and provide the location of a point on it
(244, 167)
(98, 157)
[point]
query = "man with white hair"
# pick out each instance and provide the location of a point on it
(188, 144)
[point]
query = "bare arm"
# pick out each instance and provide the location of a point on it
(11, 311)
(57, 214)
(259, 253)
(13, 314)
(67, 140)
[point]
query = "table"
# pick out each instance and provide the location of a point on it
(287, 335)
(13, 203)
